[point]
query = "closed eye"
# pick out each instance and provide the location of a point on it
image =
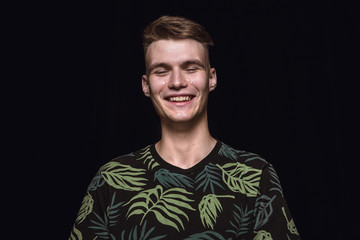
(192, 66)
(161, 72)
(192, 69)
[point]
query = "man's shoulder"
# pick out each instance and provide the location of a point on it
(124, 157)
(129, 158)
(241, 156)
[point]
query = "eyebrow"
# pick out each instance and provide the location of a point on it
(182, 65)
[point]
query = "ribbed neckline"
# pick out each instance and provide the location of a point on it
(199, 166)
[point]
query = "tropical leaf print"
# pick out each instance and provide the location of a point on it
(252, 156)
(123, 177)
(274, 179)
(85, 209)
(169, 179)
(290, 224)
(262, 235)
(241, 178)
(75, 234)
(167, 206)
(229, 152)
(209, 177)
(128, 155)
(142, 235)
(208, 235)
(263, 210)
(112, 211)
(242, 220)
(101, 227)
(209, 208)
(147, 158)
(97, 181)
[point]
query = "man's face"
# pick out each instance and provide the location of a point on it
(178, 79)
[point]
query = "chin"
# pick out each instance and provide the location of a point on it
(182, 118)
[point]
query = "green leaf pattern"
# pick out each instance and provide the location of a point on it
(85, 209)
(262, 235)
(263, 210)
(100, 227)
(241, 221)
(143, 234)
(241, 178)
(123, 177)
(168, 206)
(209, 178)
(209, 207)
(290, 223)
(169, 179)
(147, 158)
(98, 181)
(134, 197)
(113, 211)
(75, 234)
(274, 179)
(207, 235)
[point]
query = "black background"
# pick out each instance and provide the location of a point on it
(282, 68)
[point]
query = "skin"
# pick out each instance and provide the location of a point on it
(179, 68)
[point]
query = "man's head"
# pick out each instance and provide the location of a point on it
(176, 28)
(178, 75)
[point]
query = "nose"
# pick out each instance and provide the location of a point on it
(177, 80)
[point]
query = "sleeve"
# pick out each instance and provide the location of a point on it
(92, 220)
(272, 218)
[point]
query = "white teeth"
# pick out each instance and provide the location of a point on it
(180, 99)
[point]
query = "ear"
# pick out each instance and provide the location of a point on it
(212, 79)
(145, 85)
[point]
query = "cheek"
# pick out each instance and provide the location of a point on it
(157, 86)
(190, 79)
(200, 82)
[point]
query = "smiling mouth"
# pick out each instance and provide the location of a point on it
(180, 99)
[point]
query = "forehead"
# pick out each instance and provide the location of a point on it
(175, 51)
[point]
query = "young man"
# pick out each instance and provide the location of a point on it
(188, 185)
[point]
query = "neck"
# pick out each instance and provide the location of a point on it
(184, 145)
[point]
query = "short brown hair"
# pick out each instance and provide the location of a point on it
(177, 28)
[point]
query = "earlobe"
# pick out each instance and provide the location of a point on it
(212, 79)
(145, 86)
